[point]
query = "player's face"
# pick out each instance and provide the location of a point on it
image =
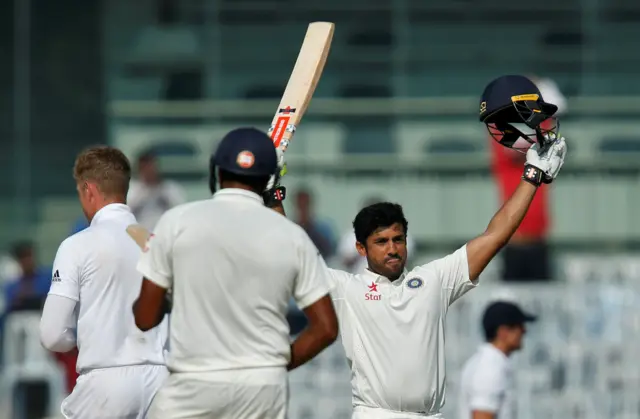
(514, 336)
(386, 251)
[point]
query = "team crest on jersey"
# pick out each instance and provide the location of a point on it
(414, 283)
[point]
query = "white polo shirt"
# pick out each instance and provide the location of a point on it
(233, 265)
(97, 268)
(487, 384)
(393, 334)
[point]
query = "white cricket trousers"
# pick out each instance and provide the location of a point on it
(239, 394)
(114, 393)
(363, 412)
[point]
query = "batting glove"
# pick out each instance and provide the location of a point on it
(544, 163)
(274, 191)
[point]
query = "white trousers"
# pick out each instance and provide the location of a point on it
(210, 396)
(362, 412)
(114, 393)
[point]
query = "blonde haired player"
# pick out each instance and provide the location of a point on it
(94, 284)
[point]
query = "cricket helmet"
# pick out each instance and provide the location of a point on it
(244, 151)
(514, 99)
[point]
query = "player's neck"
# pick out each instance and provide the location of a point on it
(236, 185)
(502, 347)
(104, 202)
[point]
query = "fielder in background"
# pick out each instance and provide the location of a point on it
(392, 320)
(94, 284)
(487, 388)
(233, 266)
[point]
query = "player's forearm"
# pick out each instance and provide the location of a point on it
(502, 226)
(322, 331)
(507, 220)
(310, 343)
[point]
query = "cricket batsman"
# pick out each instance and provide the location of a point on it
(392, 319)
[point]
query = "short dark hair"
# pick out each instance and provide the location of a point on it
(373, 217)
(257, 183)
(490, 332)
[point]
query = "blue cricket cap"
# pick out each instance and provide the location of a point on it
(246, 151)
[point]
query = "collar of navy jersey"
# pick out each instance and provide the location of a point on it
(238, 193)
(380, 279)
(110, 211)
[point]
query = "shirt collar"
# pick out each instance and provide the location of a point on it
(110, 211)
(379, 279)
(236, 193)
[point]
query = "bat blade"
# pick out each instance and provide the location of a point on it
(302, 83)
(139, 234)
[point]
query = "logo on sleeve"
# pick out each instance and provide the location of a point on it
(373, 293)
(56, 277)
(414, 283)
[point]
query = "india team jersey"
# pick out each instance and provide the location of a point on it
(393, 333)
(233, 265)
(97, 268)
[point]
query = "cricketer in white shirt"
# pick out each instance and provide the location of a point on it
(94, 284)
(233, 265)
(392, 319)
(487, 389)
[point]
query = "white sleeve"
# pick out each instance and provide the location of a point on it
(453, 272)
(58, 324)
(312, 281)
(487, 389)
(67, 269)
(155, 262)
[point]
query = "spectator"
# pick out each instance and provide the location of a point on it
(30, 289)
(150, 195)
(9, 268)
(526, 257)
(347, 253)
(319, 231)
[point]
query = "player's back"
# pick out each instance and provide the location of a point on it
(108, 285)
(235, 265)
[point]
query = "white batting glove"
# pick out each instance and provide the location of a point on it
(544, 163)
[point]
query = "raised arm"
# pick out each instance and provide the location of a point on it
(541, 167)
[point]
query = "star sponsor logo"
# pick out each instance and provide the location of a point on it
(373, 294)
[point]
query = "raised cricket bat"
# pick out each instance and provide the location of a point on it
(295, 100)
(302, 83)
